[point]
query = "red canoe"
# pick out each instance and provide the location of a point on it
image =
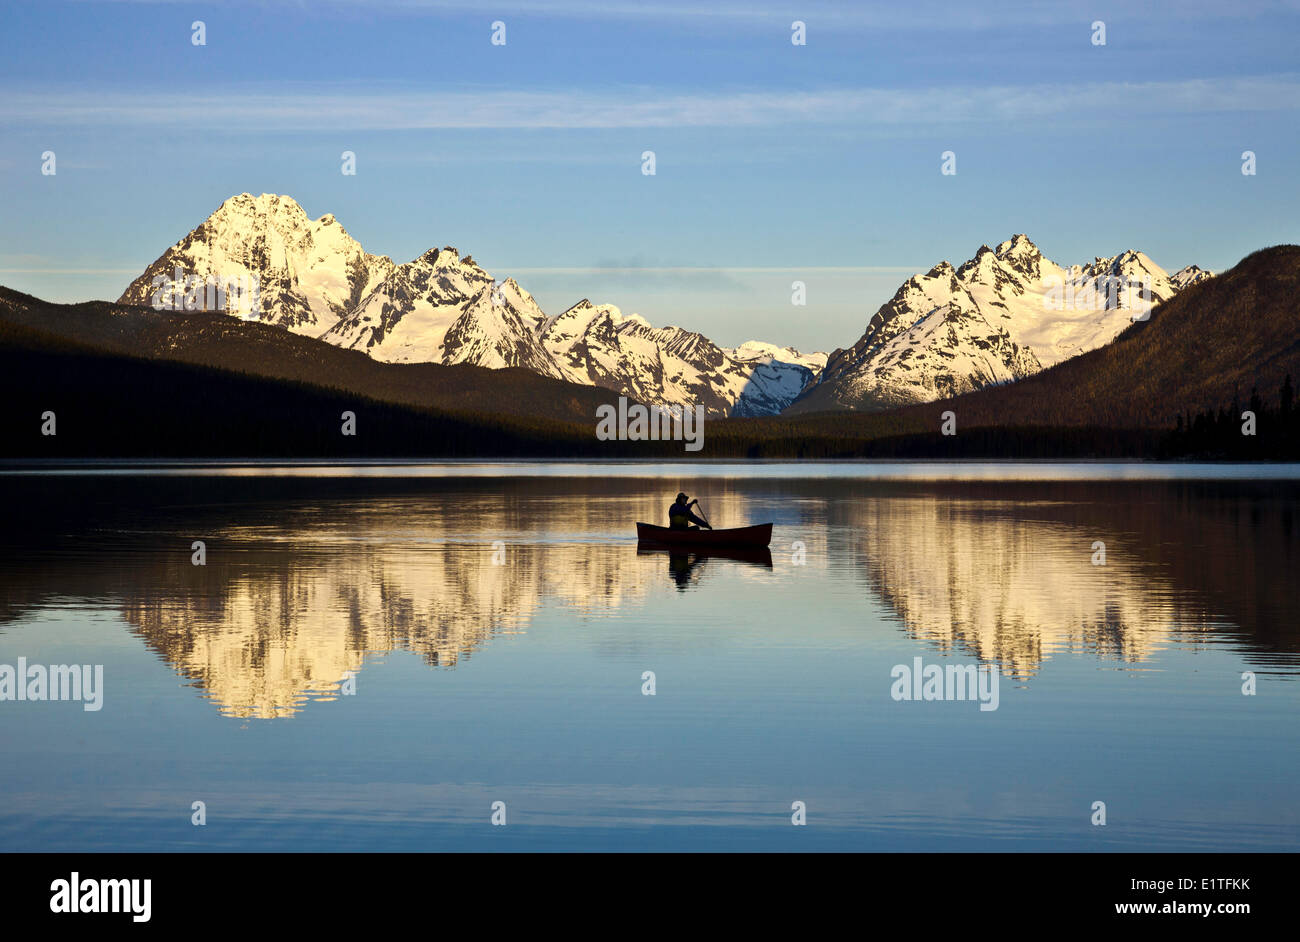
(760, 535)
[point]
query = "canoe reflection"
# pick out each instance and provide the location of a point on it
(685, 567)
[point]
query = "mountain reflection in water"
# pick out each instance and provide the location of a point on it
(306, 580)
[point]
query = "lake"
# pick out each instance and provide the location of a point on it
(391, 656)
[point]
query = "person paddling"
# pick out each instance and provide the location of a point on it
(680, 516)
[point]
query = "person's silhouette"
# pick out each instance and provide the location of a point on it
(680, 516)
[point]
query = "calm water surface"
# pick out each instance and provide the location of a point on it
(498, 621)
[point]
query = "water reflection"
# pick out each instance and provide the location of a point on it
(282, 626)
(686, 568)
(981, 579)
(1117, 573)
(307, 581)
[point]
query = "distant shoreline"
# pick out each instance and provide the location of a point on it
(874, 469)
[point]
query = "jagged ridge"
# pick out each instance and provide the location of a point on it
(1005, 314)
(443, 308)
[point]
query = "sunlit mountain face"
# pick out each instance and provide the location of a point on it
(309, 582)
(316, 280)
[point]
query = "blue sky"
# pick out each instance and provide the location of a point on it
(774, 162)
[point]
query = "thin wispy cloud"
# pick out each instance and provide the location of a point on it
(936, 15)
(68, 271)
(377, 109)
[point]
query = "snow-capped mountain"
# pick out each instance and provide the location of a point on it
(779, 375)
(443, 308)
(310, 273)
(599, 345)
(1004, 314)
(1189, 276)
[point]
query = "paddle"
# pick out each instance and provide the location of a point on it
(701, 510)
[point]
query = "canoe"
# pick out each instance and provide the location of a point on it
(760, 535)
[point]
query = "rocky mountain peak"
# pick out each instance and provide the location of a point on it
(442, 307)
(1019, 245)
(1020, 255)
(1007, 313)
(1190, 275)
(581, 307)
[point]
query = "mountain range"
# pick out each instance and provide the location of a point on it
(1005, 314)
(315, 279)
(126, 381)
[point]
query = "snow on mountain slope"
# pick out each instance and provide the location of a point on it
(1189, 276)
(442, 308)
(780, 375)
(1004, 314)
(755, 350)
(309, 273)
(599, 345)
